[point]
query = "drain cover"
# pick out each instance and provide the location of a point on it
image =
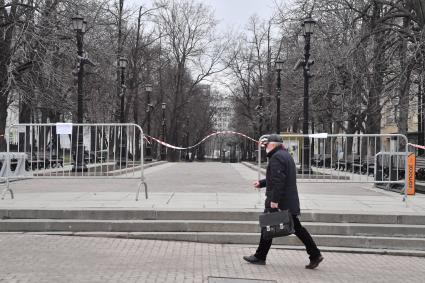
(237, 280)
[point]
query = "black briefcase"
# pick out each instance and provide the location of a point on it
(276, 224)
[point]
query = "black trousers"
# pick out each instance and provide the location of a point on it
(300, 232)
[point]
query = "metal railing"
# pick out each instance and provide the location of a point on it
(5, 182)
(83, 151)
(348, 158)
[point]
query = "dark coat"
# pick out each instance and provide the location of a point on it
(281, 181)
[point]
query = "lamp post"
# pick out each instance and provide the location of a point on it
(79, 26)
(260, 109)
(308, 26)
(279, 68)
(187, 138)
(148, 88)
(163, 152)
(420, 116)
(122, 64)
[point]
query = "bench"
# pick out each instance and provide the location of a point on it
(40, 160)
(368, 166)
(93, 157)
(394, 163)
(55, 161)
(98, 156)
(347, 163)
(420, 168)
(364, 165)
(35, 161)
(317, 160)
(321, 160)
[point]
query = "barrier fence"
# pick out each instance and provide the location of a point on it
(115, 151)
(74, 151)
(343, 158)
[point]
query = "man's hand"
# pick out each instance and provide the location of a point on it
(274, 205)
(257, 184)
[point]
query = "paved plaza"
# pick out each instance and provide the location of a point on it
(203, 185)
(35, 258)
(30, 257)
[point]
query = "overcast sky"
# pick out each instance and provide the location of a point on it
(235, 13)
(231, 13)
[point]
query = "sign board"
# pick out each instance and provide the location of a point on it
(63, 128)
(411, 163)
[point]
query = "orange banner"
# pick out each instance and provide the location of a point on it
(411, 163)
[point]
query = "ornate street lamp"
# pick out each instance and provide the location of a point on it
(122, 64)
(163, 152)
(148, 89)
(261, 91)
(259, 109)
(279, 67)
(308, 26)
(79, 26)
(187, 137)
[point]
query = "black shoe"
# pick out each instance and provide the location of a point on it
(314, 262)
(254, 260)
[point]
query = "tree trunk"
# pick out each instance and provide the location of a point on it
(404, 83)
(6, 33)
(373, 111)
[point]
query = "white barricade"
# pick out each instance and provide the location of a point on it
(15, 160)
(380, 159)
(68, 151)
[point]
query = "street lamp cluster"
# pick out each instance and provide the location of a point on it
(79, 26)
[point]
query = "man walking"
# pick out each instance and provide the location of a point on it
(282, 193)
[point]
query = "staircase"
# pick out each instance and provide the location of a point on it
(357, 232)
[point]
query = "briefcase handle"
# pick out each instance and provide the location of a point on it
(274, 210)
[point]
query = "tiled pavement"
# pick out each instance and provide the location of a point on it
(43, 258)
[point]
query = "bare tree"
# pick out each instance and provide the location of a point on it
(188, 29)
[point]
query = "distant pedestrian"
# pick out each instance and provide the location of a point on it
(282, 193)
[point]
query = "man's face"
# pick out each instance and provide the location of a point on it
(270, 146)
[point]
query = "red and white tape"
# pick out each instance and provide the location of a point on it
(416, 145)
(201, 141)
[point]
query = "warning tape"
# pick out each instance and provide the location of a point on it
(201, 141)
(145, 138)
(416, 145)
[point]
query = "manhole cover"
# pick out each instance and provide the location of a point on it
(237, 280)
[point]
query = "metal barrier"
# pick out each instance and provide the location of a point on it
(5, 182)
(83, 151)
(348, 158)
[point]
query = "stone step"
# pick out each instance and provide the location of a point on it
(204, 214)
(349, 242)
(317, 228)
